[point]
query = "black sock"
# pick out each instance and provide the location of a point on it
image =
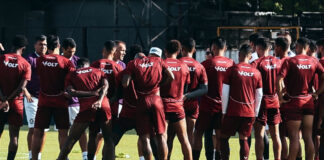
(266, 146)
(209, 155)
(11, 155)
(299, 158)
(217, 155)
(90, 156)
(195, 154)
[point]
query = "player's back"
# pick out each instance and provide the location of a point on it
(147, 74)
(181, 76)
(269, 68)
(299, 71)
(13, 69)
(243, 79)
(111, 70)
(52, 70)
(216, 70)
(197, 72)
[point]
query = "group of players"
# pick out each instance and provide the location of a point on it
(161, 98)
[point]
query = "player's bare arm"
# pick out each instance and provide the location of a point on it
(18, 90)
(169, 77)
(126, 80)
(76, 93)
(102, 94)
(28, 96)
(280, 86)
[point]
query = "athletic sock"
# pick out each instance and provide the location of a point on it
(217, 155)
(244, 149)
(30, 154)
(91, 156)
(11, 155)
(85, 155)
(195, 154)
(224, 149)
(299, 158)
(39, 156)
(141, 158)
(209, 154)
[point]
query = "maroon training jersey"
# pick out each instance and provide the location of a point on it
(87, 79)
(299, 72)
(243, 80)
(52, 70)
(13, 69)
(216, 70)
(146, 73)
(111, 70)
(173, 93)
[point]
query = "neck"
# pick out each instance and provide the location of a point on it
(55, 51)
(303, 53)
(284, 55)
(40, 54)
(219, 53)
(19, 52)
(173, 56)
(244, 60)
(263, 54)
(188, 54)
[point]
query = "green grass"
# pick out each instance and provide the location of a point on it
(128, 145)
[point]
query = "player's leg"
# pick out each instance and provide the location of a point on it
(259, 130)
(266, 146)
(224, 147)
(209, 145)
(321, 148)
(30, 110)
(61, 118)
(245, 129)
(171, 133)
(13, 144)
(283, 136)
(190, 128)
(139, 149)
(92, 143)
(146, 146)
(307, 126)
(181, 130)
(3, 120)
(274, 132)
(75, 133)
(109, 148)
(293, 134)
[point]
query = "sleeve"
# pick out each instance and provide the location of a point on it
(258, 99)
(225, 97)
(27, 72)
(284, 68)
(319, 68)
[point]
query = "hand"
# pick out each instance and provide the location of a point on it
(315, 96)
(29, 97)
(67, 95)
(96, 105)
(5, 106)
(184, 97)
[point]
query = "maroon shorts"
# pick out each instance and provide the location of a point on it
(174, 117)
(91, 115)
(191, 109)
(208, 121)
(15, 114)
(269, 116)
(124, 124)
(150, 117)
(296, 108)
(242, 125)
(44, 115)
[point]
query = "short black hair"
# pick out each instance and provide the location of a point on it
(109, 45)
(173, 46)
(82, 61)
(219, 42)
(52, 42)
(188, 44)
(19, 41)
(304, 42)
(282, 42)
(312, 46)
(245, 49)
(320, 42)
(40, 38)
(253, 37)
(264, 43)
(134, 49)
(68, 42)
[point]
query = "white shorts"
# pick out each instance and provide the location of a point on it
(73, 112)
(30, 110)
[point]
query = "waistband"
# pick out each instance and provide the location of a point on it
(241, 102)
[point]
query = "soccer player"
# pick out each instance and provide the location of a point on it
(69, 49)
(172, 97)
(111, 70)
(32, 91)
(16, 72)
(298, 110)
(52, 70)
(210, 109)
(120, 53)
(286, 34)
(147, 73)
(241, 99)
(320, 124)
(90, 86)
(269, 67)
(252, 38)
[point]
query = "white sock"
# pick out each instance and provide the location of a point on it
(85, 155)
(39, 156)
(141, 158)
(94, 158)
(30, 154)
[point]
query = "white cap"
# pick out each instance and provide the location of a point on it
(157, 51)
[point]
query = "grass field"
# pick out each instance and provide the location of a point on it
(127, 146)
